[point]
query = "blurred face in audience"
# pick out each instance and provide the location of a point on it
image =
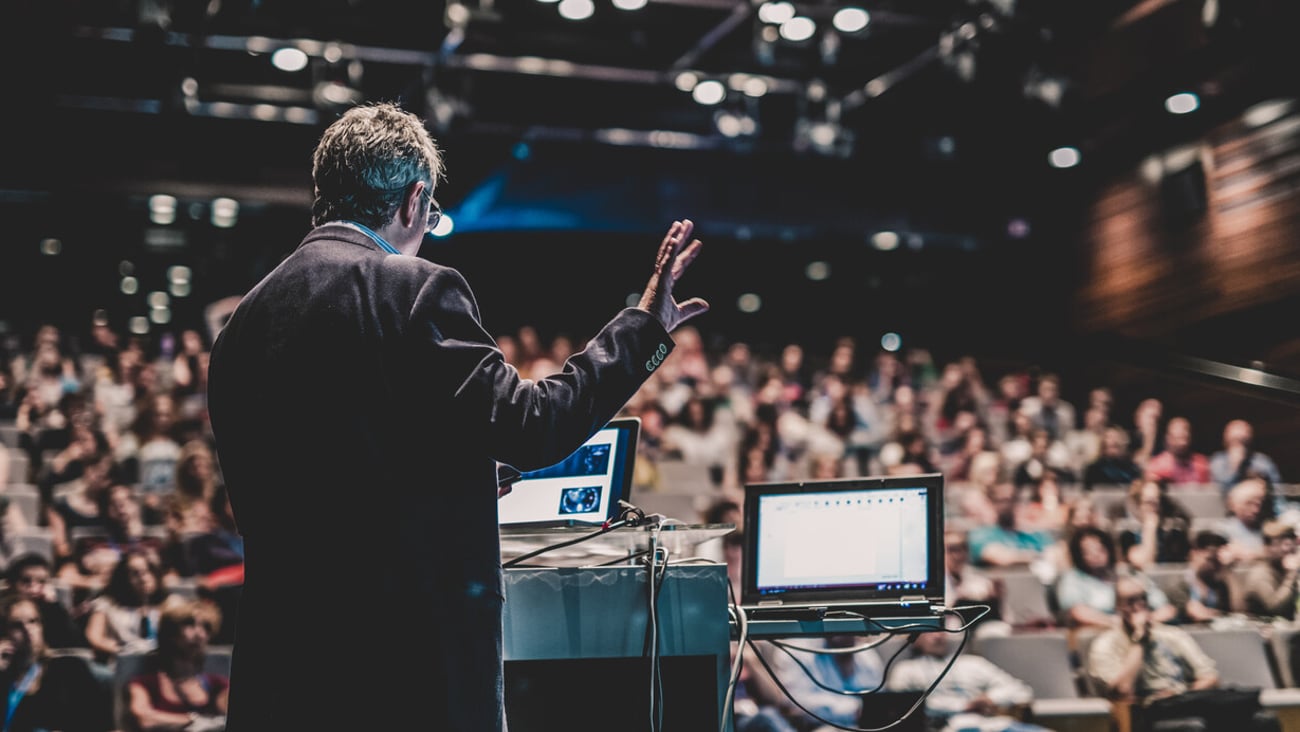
(956, 551)
(1130, 599)
(1095, 556)
(933, 643)
(1246, 501)
(1178, 436)
(33, 582)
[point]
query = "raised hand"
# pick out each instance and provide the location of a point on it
(676, 252)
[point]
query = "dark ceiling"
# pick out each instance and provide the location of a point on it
(941, 110)
(181, 89)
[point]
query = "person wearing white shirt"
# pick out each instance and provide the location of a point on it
(974, 693)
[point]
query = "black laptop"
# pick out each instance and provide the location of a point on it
(584, 489)
(869, 547)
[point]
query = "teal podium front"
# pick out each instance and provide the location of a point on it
(583, 650)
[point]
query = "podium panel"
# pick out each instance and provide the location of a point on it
(577, 643)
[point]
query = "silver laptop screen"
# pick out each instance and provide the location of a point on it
(843, 539)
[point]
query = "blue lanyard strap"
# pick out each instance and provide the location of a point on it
(375, 237)
(18, 691)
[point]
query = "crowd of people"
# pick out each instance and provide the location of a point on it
(112, 432)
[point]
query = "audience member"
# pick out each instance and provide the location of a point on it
(1084, 442)
(1269, 584)
(1085, 593)
(96, 551)
(30, 575)
(1247, 504)
(973, 694)
(1147, 439)
(1114, 465)
(80, 506)
(44, 692)
(124, 616)
(965, 584)
(1157, 528)
(817, 672)
(1006, 543)
(176, 692)
(1178, 464)
(1047, 410)
(1238, 459)
(148, 452)
(1154, 666)
(1209, 589)
(1047, 454)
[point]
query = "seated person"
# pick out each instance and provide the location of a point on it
(966, 584)
(974, 693)
(28, 575)
(1270, 581)
(1006, 543)
(815, 676)
(176, 692)
(1152, 665)
(1115, 465)
(1248, 503)
(45, 692)
(1086, 591)
(1209, 588)
(1156, 528)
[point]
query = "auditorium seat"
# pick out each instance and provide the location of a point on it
(19, 466)
(28, 500)
(1243, 658)
(1025, 599)
(1280, 640)
(1042, 660)
(1202, 503)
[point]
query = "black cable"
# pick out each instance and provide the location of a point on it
(631, 516)
(884, 674)
(964, 629)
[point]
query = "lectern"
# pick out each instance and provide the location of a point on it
(578, 640)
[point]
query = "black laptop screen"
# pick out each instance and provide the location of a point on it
(836, 541)
(584, 488)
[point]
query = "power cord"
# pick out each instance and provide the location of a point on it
(630, 516)
(913, 629)
(658, 565)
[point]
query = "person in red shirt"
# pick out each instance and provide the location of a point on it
(1179, 464)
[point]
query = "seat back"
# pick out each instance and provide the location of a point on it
(1025, 599)
(19, 465)
(1040, 659)
(1202, 503)
(1282, 642)
(1240, 654)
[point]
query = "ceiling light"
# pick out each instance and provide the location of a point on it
(850, 19)
(576, 9)
(885, 241)
(1182, 103)
(1064, 157)
(630, 4)
(775, 13)
(289, 59)
(709, 91)
(798, 29)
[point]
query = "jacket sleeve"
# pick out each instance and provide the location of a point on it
(526, 423)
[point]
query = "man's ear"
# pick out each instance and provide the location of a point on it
(413, 205)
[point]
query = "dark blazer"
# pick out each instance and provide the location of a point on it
(359, 408)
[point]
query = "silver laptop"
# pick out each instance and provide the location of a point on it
(870, 547)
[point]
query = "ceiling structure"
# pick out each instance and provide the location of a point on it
(934, 121)
(185, 88)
